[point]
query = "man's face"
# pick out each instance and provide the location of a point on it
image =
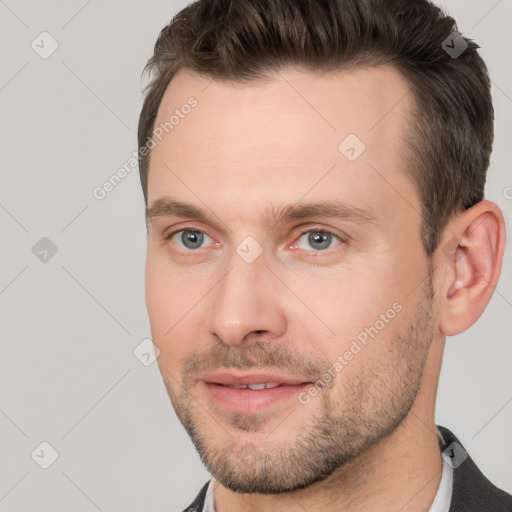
(331, 312)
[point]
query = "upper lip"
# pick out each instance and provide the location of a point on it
(231, 379)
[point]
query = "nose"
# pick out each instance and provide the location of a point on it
(247, 303)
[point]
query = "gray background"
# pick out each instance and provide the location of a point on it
(69, 325)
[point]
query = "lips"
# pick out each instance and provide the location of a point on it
(252, 392)
(250, 379)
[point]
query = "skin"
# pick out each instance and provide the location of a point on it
(368, 440)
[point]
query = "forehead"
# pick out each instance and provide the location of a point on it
(368, 101)
(283, 133)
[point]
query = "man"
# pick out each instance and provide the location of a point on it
(314, 173)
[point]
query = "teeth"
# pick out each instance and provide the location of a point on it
(257, 386)
(254, 386)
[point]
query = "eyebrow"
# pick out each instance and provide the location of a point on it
(166, 207)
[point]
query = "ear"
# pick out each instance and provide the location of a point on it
(471, 254)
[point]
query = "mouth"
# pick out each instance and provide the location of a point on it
(251, 392)
(264, 385)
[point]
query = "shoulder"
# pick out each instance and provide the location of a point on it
(472, 491)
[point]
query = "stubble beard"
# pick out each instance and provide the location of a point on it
(348, 420)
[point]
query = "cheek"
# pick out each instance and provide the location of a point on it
(175, 311)
(166, 301)
(166, 289)
(158, 296)
(344, 298)
(166, 330)
(354, 308)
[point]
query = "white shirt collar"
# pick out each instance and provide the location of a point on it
(443, 497)
(208, 502)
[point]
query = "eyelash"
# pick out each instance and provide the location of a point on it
(301, 233)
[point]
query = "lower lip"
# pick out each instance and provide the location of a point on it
(252, 400)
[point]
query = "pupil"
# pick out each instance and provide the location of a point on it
(320, 240)
(192, 239)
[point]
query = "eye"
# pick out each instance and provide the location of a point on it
(318, 239)
(190, 239)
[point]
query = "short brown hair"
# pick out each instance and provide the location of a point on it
(243, 40)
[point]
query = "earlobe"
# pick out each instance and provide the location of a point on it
(477, 243)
